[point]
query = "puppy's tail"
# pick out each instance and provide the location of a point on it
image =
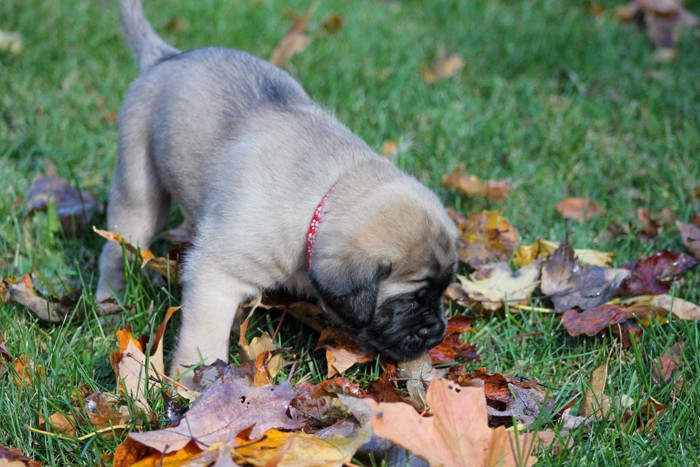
(147, 46)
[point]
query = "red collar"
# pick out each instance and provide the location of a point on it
(313, 225)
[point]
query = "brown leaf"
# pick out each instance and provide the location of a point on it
(495, 285)
(578, 209)
(295, 40)
(593, 320)
(14, 458)
(263, 351)
(526, 254)
(665, 367)
(445, 65)
(64, 424)
(595, 403)
(470, 185)
(569, 284)
(74, 208)
(163, 266)
(484, 238)
(341, 352)
(451, 347)
(105, 410)
(222, 412)
(690, 234)
(457, 434)
(655, 274)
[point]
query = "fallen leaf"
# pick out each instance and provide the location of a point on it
(445, 65)
(74, 208)
(593, 320)
(341, 352)
(14, 458)
(655, 274)
(224, 410)
(507, 397)
(595, 403)
(569, 284)
(578, 209)
(681, 309)
(457, 434)
(390, 148)
(384, 388)
(484, 238)
(106, 410)
(664, 19)
(496, 285)
(295, 40)
(690, 234)
(263, 352)
(526, 254)
(166, 267)
(471, 185)
(451, 347)
(665, 367)
(61, 423)
(299, 448)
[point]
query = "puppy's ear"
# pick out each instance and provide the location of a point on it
(350, 289)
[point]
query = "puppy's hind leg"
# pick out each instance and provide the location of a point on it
(138, 208)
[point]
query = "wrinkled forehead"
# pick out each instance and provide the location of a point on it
(431, 267)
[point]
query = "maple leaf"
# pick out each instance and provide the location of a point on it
(295, 40)
(74, 208)
(224, 410)
(451, 347)
(470, 185)
(484, 238)
(690, 235)
(526, 254)
(569, 284)
(445, 65)
(579, 209)
(654, 275)
(341, 352)
(458, 433)
(495, 284)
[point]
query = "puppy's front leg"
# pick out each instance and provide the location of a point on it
(211, 300)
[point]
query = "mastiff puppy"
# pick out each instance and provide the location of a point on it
(278, 194)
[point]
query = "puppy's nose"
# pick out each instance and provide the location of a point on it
(433, 334)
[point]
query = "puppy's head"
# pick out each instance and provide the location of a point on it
(383, 272)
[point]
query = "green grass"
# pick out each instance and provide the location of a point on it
(555, 100)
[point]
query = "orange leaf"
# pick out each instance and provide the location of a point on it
(578, 209)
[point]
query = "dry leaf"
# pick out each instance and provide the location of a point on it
(596, 404)
(105, 410)
(295, 39)
(495, 285)
(655, 274)
(470, 185)
(445, 65)
(664, 19)
(390, 148)
(14, 458)
(341, 352)
(484, 238)
(451, 347)
(665, 367)
(690, 234)
(163, 266)
(333, 24)
(569, 284)
(458, 433)
(222, 412)
(74, 208)
(526, 254)
(579, 209)
(593, 320)
(264, 349)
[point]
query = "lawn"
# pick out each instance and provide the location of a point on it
(555, 98)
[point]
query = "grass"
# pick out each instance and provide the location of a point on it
(554, 99)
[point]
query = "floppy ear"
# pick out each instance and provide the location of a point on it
(350, 290)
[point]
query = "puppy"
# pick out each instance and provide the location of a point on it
(279, 194)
